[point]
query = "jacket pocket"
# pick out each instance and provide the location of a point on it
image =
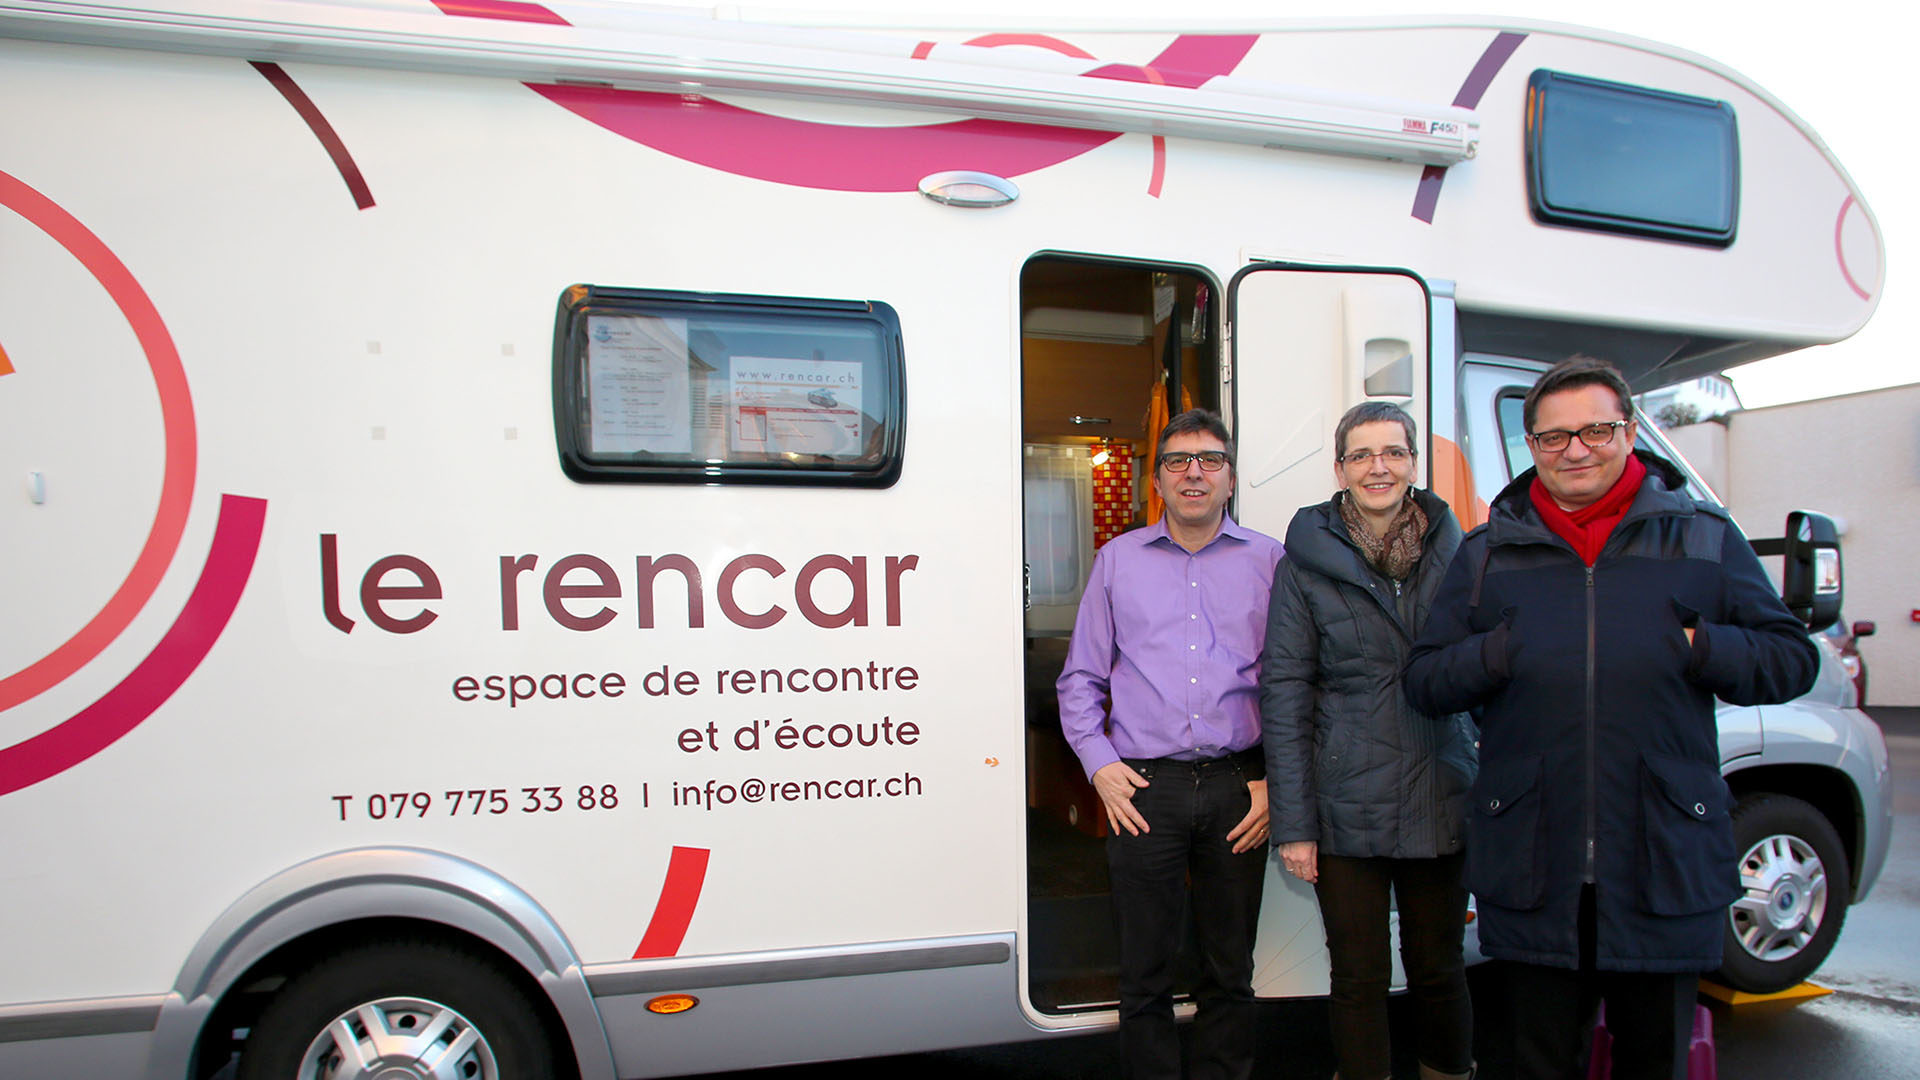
(1686, 860)
(1503, 839)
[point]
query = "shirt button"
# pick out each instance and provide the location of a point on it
(1193, 680)
(1193, 584)
(1196, 716)
(1193, 616)
(1192, 647)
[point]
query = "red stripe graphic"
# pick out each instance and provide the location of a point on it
(6, 366)
(509, 10)
(176, 418)
(1044, 41)
(679, 894)
(337, 150)
(1839, 249)
(236, 543)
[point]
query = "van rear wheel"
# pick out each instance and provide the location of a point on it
(400, 1009)
(1794, 891)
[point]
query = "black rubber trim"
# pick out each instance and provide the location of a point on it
(78, 1023)
(752, 972)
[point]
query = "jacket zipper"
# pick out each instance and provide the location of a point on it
(1591, 738)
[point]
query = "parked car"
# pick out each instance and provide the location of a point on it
(1845, 638)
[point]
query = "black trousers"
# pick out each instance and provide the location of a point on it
(1433, 909)
(1649, 1015)
(1189, 807)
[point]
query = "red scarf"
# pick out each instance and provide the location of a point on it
(1587, 528)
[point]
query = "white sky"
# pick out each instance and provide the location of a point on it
(1844, 66)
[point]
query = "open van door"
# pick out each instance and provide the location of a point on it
(1308, 343)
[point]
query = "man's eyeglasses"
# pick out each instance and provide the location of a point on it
(1210, 461)
(1395, 455)
(1552, 442)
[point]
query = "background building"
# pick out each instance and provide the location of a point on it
(1855, 458)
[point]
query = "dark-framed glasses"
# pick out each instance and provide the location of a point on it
(1600, 434)
(1394, 455)
(1210, 461)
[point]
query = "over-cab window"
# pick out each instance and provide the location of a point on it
(703, 388)
(1619, 158)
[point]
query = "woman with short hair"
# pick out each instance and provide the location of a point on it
(1367, 795)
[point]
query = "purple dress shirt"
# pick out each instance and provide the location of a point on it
(1171, 640)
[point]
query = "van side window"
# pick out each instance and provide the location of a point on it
(1511, 408)
(1619, 158)
(653, 386)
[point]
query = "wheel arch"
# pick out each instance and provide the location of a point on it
(356, 895)
(1827, 789)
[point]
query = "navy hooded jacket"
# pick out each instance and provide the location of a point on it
(1599, 757)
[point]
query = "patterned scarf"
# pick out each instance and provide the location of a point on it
(1395, 553)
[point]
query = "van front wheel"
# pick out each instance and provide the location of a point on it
(1794, 891)
(398, 1009)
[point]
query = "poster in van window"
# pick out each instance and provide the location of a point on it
(781, 406)
(637, 385)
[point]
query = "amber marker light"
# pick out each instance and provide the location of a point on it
(668, 1004)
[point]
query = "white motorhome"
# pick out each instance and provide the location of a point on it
(540, 535)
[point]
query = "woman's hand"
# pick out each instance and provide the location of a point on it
(1302, 859)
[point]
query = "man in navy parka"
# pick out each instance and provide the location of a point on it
(1591, 622)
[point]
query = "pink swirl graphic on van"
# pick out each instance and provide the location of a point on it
(180, 453)
(236, 543)
(844, 157)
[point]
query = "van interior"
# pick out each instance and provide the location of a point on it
(1103, 345)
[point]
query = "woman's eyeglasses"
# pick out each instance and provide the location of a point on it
(1395, 455)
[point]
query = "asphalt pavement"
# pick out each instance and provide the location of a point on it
(1868, 1028)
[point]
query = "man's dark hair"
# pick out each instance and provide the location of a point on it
(1195, 422)
(1371, 412)
(1573, 373)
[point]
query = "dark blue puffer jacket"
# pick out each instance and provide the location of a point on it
(1599, 759)
(1350, 764)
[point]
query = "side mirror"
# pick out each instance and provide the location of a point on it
(1810, 579)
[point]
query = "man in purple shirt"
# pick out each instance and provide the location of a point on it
(1160, 699)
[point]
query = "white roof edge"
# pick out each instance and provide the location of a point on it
(930, 22)
(658, 51)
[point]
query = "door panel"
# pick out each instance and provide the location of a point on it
(1309, 343)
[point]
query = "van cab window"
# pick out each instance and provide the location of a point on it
(657, 386)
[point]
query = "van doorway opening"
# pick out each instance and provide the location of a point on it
(1109, 349)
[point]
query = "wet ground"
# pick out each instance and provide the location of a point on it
(1867, 1029)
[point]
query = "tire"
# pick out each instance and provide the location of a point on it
(399, 1005)
(1795, 891)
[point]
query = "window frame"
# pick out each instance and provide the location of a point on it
(571, 416)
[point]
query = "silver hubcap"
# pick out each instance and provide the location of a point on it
(1783, 898)
(399, 1039)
